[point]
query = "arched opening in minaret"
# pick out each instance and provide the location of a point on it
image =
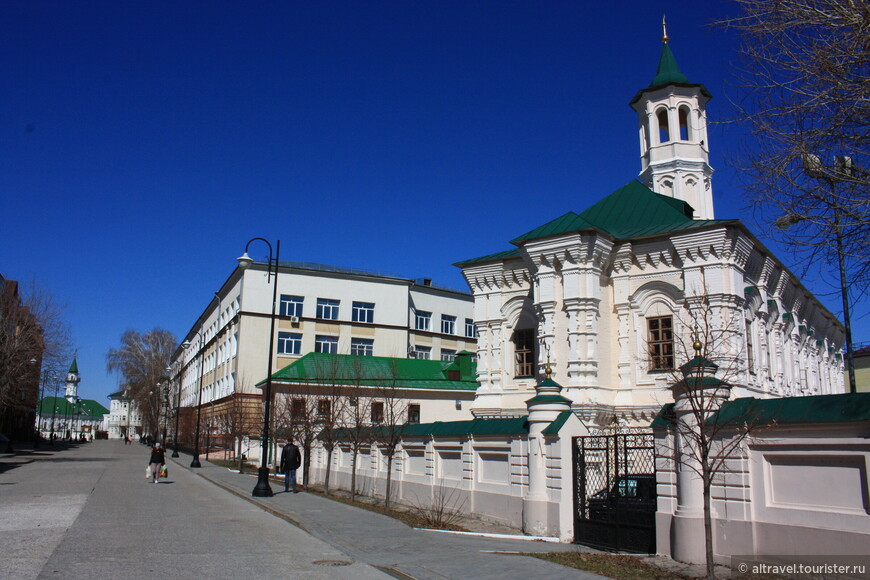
(684, 123)
(664, 130)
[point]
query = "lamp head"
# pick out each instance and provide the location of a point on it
(185, 344)
(244, 261)
(788, 220)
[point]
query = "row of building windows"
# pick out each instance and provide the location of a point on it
(290, 343)
(364, 312)
(423, 321)
(376, 410)
(660, 341)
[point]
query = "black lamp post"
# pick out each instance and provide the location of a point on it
(186, 344)
(165, 407)
(262, 489)
(54, 411)
(843, 169)
(177, 409)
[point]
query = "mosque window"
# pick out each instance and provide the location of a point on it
(684, 123)
(524, 352)
(661, 342)
(664, 129)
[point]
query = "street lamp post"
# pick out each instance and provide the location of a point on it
(186, 344)
(177, 409)
(842, 166)
(54, 412)
(262, 489)
(165, 407)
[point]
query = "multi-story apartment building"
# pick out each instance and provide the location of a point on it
(318, 309)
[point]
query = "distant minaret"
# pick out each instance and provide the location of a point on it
(72, 382)
(674, 150)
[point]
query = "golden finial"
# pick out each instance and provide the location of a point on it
(547, 370)
(697, 344)
(664, 30)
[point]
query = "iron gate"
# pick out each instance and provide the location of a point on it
(615, 492)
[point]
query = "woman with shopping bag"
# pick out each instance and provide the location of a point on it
(156, 462)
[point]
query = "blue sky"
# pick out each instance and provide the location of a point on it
(144, 143)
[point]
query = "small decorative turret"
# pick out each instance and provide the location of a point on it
(546, 405)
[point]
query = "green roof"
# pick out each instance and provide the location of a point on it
(74, 367)
(632, 211)
(843, 408)
(512, 253)
(668, 72)
(815, 409)
(478, 427)
(60, 406)
(343, 369)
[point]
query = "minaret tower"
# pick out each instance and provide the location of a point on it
(72, 382)
(672, 122)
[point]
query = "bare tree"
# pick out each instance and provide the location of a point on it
(239, 419)
(395, 415)
(806, 102)
(33, 335)
(141, 361)
(299, 407)
(710, 341)
(331, 404)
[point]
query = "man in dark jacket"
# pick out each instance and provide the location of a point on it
(291, 459)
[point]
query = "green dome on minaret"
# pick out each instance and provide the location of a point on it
(668, 73)
(74, 367)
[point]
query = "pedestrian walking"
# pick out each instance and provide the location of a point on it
(156, 462)
(291, 459)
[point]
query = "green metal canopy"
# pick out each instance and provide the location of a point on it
(343, 369)
(844, 408)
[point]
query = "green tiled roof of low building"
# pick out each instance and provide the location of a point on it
(343, 369)
(473, 427)
(60, 406)
(844, 408)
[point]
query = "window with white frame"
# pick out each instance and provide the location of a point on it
(448, 324)
(448, 355)
(363, 312)
(291, 305)
(470, 329)
(289, 343)
(327, 309)
(422, 352)
(362, 346)
(422, 320)
(327, 344)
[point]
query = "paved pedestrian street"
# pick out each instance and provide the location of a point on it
(87, 512)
